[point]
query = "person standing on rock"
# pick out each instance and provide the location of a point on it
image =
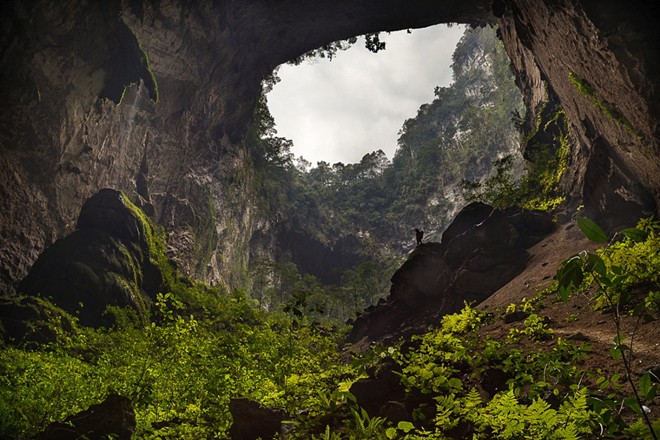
(419, 235)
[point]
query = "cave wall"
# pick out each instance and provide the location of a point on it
(173, 138)
(598, 60)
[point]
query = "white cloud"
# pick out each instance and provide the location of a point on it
(340, 110)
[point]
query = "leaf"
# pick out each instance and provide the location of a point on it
(350, 396)
(591, 230)
(455, 383)
(634, 234)
(390, 433)
(593, 263)
(633, 404)
(570, 275)
(405, 426)
(646, 387)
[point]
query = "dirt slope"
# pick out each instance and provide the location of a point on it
(575, 320)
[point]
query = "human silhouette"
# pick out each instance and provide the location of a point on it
(419, 235)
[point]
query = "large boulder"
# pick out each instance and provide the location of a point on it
(108, 261)
(253, 421)
(112, 418)
(482, 250)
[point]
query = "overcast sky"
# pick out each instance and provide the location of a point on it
(339, 110)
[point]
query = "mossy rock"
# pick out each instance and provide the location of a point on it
(112, 212)
(112, 259)
(25, 320)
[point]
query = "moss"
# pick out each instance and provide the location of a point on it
(150, 82)
(547, 150)
(172, 279)
(152, 235)
(123, 93)
(608, 110)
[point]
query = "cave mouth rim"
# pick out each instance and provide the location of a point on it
(273, 88)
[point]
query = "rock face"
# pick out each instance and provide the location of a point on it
(482, 250)
(599, 61)
(154, 101)
(155, 97)
(107, 261)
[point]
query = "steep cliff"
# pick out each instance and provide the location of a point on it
(599, 59)
(153, 98)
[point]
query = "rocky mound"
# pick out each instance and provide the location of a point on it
(107, 261)
(482, 250)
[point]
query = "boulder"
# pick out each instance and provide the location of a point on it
(482, 250)
(111, 212)
(112, 418)
(253, 420)
(25, 320)
(381, 393)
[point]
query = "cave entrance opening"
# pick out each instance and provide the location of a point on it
(345, 224)
(338, 107)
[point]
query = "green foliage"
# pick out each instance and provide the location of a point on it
(614, 273)
(538, 188)
(281, 286)
(371, 42)
(179, 371)
(448, 363)
(617, 269)
(202, 346)
(454, 137)
(534, 328)
(591, 230)
(328, 51)
(364, 427)
(505, 418)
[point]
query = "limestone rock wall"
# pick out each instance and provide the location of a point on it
(599, 58)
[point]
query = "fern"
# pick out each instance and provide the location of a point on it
(540, 417)
(448, 410)
(472, 400)
(506, 418)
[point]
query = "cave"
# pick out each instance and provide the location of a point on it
(156, 96)
(139, 112)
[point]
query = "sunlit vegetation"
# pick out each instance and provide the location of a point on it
(181, 368)
(179, 371)
(617, 272)
(457, 136)
(468, 132)
(546, 151)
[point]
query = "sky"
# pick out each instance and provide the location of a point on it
(340, 110)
